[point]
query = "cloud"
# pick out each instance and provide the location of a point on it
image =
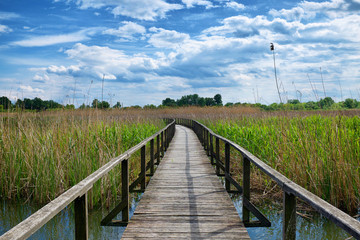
(48, 40)
(243, 27)
(235, 5)
(138, 9)
(95, 61)
(128, 31)
(294, 14)
(41, 79)
(192, 3)
(163, 38)
(29, 89)
(5, 29)
(8, 15)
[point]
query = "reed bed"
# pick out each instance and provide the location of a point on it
(320, 152)
(44, 154)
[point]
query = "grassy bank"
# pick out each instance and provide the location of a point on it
(44, 154)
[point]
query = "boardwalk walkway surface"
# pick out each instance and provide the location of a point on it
(185, 199)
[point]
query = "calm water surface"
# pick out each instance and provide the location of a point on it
(62, 226)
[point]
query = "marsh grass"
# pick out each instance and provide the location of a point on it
(44, 154)
(319, 152)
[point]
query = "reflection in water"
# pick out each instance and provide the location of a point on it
(62, 225)
(316, 228)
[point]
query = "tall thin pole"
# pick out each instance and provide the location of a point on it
(322, 79)
(277, 85)
(102, 89)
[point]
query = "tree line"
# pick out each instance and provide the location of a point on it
(193, 100)
(39, 105)
(187, 100)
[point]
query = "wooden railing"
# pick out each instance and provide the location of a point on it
(291, 190)
(78, 193)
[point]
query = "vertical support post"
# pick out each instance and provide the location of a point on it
(165, 140)
(152, 170)
(158, 149)
(289, 216)
(202, 135)
(227, 165)
(81, 218)
(125, 189)
(217, 156)
(143, 169)
(211, 150)
(208, 142)
(246, 187)
(162, 144)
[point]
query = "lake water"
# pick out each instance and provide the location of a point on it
(62, 226)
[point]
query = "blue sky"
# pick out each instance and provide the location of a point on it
(148, 50)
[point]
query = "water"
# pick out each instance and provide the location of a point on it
(315, 228)
(62, 226)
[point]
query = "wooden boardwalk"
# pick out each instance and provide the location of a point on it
(185, 199)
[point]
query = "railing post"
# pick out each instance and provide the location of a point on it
(208, 142)
(125, 189)
(152, 170)
(165, 140)
(217, 156)
(143, 169)
(158, 149)
(211, 150)
(162, 144)
(81, 218)
(246, 188)
(289, 216)
(227, 165)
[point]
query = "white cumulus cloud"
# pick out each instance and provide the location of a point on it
(192, 3)
(128, 31)
(138, 9)
(235, 5)
(163, 38)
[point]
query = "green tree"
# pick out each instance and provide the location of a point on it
(326, 103)
(95, 103)
(104, 105)
(350, 103)
(218, 100)
(5, 102)
(117, 105)
(69, 106)
(169, 102)
(293, 101)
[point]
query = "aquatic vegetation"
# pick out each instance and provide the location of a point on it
(42, 154)
(319, 152)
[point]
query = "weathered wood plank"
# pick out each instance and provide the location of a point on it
(185, 199)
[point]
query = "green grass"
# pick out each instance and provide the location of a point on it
(321, 153)
(43, 155)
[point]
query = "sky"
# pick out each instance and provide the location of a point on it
(140, 52)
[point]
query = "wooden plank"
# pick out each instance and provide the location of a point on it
(185, 199)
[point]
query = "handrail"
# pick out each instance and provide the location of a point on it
(78, 193)
(291, 189)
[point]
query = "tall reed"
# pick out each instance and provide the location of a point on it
(321, 153)
(44, 154)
